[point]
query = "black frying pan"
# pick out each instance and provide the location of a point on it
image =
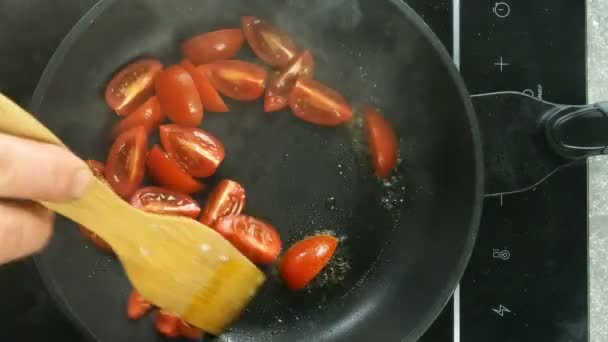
(406, 240)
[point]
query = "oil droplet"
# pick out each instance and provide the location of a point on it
(331, 203)
(223, 258)
(205, 247)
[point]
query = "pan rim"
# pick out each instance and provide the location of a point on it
(425, 322)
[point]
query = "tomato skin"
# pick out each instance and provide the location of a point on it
(280, 83)
(316, 103)
(227, 199)
(178, 96)
(165, 170)
(137, 306)
(126, 162)
(382, 140)
(165, 202)
(189, 332)
(167, 324)
(197, 152)
(267, 42)
(132, 85)
(305, 259)
(238, 80)
(210, 98)
(97, 168)
(256, 239)
(148, 115)
(212, 46)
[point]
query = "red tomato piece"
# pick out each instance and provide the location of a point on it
(197, 152)
(318, 104)
(166, 171)
(305, 259)
(126, 162)
(165, 202)
(97, 168)
(256, 239)
(238, 80)
(213, 46)
(178, 96)
(167, 324)
(190, 332)
(269, 44)
(210, 98)
(137, 306)
(132, 85)
(148, 115)
(227, 199)
(382, 140)
(280, 83)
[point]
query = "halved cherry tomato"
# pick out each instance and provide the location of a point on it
(227, 199)
(256, 239)
(148, 115)
(137, 306)
(165, 202)
(132, 85)
(197, 152)
(305, 259)
(280, 83)
(167, 324)
(166, 171)
(318, 104)
(212, 46)
(236, 79)
(268, 43)
(178, 96)
(126, 162)
(97, 168)
(382, 140)
(189, 332)
(210, 98)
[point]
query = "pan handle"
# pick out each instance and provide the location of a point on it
(576, 132)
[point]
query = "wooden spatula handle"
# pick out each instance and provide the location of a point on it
(16, 121)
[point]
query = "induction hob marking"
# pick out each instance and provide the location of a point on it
(501, 64)
(500, 311)
(502, 9)
(502, 255)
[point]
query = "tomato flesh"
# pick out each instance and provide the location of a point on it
(382, 141)
(281, 82)
(167, 324)
(137, 306)
(97, 168)
(238, 80)
(147, 115)
(267, 42)
(212, 46)
(165, 202)
(210, 98)
(126, 163)
(305, 259)
(227, 199)
(178, 96)
(132, 85)
(318, 104)
(198, 152)
(256, 239)
(165, 170)
(189, 332)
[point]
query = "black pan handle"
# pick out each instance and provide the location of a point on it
(576, 132)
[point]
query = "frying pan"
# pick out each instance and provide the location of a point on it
(405, 240)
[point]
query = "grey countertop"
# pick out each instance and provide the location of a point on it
(597, 71)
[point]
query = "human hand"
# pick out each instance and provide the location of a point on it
(33, 171)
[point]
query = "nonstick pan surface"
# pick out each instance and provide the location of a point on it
(405, 240)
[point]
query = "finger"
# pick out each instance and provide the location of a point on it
(25, 229)
(33, 170)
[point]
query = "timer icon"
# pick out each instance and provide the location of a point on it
(502, 255)
(502, 9)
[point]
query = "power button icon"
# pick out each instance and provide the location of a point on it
(502, 9)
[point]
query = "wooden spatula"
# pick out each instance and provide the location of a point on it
(176, 263)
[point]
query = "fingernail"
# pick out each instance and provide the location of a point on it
(81, 182)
